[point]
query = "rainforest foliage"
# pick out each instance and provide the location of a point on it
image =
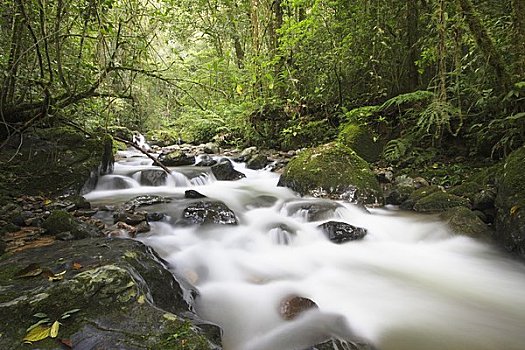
(424, 76)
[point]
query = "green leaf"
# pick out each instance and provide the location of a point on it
(40, 315)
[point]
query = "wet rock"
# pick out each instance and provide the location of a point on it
(257, 161)
(416, 195)
(177, 158)
(484, 200)
(122, 230)
(153, 177)
(398, 195)
(129, 217)
(464, 221)
(341, 232)
(338, 344)
(205, 212)
(246, 154)
(292, 306)
(143, 227)
(155, 216)
(224, 171)
(334, 171)
(510, 203)
(206, 160)
(384, 175)
(141, 201)
(61, 221)
(420, 182)
(193, 194)
(439, 201)
(312, 211)
(126, 299)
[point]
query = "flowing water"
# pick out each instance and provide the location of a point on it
(408, 285)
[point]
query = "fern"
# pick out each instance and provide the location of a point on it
(395, 149)
(436, 118)
(409, 100)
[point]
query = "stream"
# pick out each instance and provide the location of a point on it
(409, 284)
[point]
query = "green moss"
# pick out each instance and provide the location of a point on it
(334, 170)
(463, 221)
(360, 139)
(60, 221)
(439, 201)
(467, 189)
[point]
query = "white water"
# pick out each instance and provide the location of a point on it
(408, 285)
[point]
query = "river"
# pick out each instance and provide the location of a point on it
(408, 285)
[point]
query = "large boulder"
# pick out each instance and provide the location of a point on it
(224, 171)
(177, 158)
(360, 139)
(341, 232)
(209, 212)
(335, 171)
(49, 162)
(106, 294)
(510, 203)
(463, 221)
(439, 201)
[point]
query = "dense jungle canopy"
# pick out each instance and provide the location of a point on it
(273, 73)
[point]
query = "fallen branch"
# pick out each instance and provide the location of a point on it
(143, 151)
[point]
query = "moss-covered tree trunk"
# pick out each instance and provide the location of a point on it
(485, 44)
(518, 23)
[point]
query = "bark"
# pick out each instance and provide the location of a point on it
(412, 36)
(518, 23)
(485, 45)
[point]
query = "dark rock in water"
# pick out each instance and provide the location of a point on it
(258, 161)
(155, 216)
(224, 171)
(153, 177)
(129, 217)
(314, 210)
(341, 232)
(177, 158)
(146, 200)
(193, 194)
(337, 344)
(121, 295)
(206, 160)
(61, 221)
(209, 213)
(292, 306)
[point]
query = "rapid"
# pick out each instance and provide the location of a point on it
(410, 284)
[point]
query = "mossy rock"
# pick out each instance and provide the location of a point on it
(60, 221)
(439, 201)
(467, 189)
(463, 221)
(50, 162)
(332, 170)
(126, 299)
(360, 139)
(510, 203)
(418, 194)
(164, 137)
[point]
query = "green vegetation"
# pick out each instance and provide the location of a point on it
(281, 74)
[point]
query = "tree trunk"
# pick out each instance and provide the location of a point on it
(412, 35)
(486, 45)
(518, 24)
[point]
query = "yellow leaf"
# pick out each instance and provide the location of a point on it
(514, 209)
(239, 89)
(37, 333)
(141, 299)
(54, 329)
